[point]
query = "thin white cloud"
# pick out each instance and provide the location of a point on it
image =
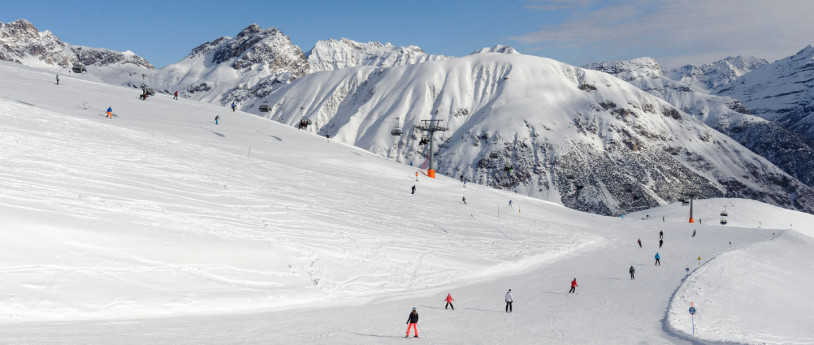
(553, 5)
(679, 28)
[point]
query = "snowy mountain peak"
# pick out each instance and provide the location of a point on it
(334, 54)
(717, 74)
(22, 43)
(498, 48)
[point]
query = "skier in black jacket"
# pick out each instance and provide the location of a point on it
(412, 320)
(632, 271)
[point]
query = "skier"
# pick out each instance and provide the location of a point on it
(464, 200)
(449, 301)
(693, 232)
(661, 234)
(660, 243)
(462, 178)
(632, 271)
(57, 79)
(176, 95)
(640, 242)
(416, 176)
(510, 203)
(412, 320)
(110, 112)
(573, 286)
(413, 190)
(658, 259)
(217, 117)
(662, 219)
(509, 301)
(233, 106)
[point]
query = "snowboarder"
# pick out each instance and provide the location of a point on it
(413, 190)
(217, 117)
(658, 259)
(449, 300)
(632, 271)
(110, 112)
(464, 200)
(233, 106)
(693, 232)
(660, 243)
(661, 234)
(509, 301)
(412, 320)
(176, 95)
(573, 286)
(510, 203)
(57, 79)
(640, 242)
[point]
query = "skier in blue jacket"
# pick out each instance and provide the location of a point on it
(658, 261)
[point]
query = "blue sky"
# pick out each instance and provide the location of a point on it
(574, 31)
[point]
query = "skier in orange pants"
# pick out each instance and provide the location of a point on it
(110, 112)
(412, 320)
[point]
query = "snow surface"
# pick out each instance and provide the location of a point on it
(160, 227)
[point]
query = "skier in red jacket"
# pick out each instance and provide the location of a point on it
(573, 286)
(449, 301)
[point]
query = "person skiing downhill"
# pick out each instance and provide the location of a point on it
(57, 79)
(660, 243)
(110, 112)
(449, 300)
(412, 320)
(693, 233)
(233, 106)
(632, 271)
(640, 242)
(658, 259)
(217, 117)
(413, 190)
(573, 286)
(464, 200)
(510, 203)
(509, 301)
(661, 234)
(176, 95)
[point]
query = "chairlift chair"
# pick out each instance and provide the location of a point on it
(395, 131)
(507, 167)
(264, 108)
(724, 214)
(494, 154)
(78, 68)
(424, 141)
(723, 221)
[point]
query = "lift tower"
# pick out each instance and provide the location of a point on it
(431, 126)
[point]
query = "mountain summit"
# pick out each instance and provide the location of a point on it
(22, 43)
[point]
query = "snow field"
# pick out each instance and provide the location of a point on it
(159, 227)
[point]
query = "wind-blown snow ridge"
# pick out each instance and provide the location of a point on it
(344, 53)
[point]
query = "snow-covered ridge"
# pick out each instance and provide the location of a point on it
(333, 54)
(583, 138)
(780, 92)
(22, 43)
(498, 48)
(713, 76)
(786, 149)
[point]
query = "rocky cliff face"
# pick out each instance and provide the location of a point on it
(537, 127)
(717, 74)
(786, 149)
(22, 43)
(249, 66)
(344, 53)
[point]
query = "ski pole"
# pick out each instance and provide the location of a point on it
(422, 332)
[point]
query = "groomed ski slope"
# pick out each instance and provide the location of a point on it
(160, 227)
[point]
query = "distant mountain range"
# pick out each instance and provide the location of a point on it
(612, 143)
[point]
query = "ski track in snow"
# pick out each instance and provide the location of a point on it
(154, 228)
